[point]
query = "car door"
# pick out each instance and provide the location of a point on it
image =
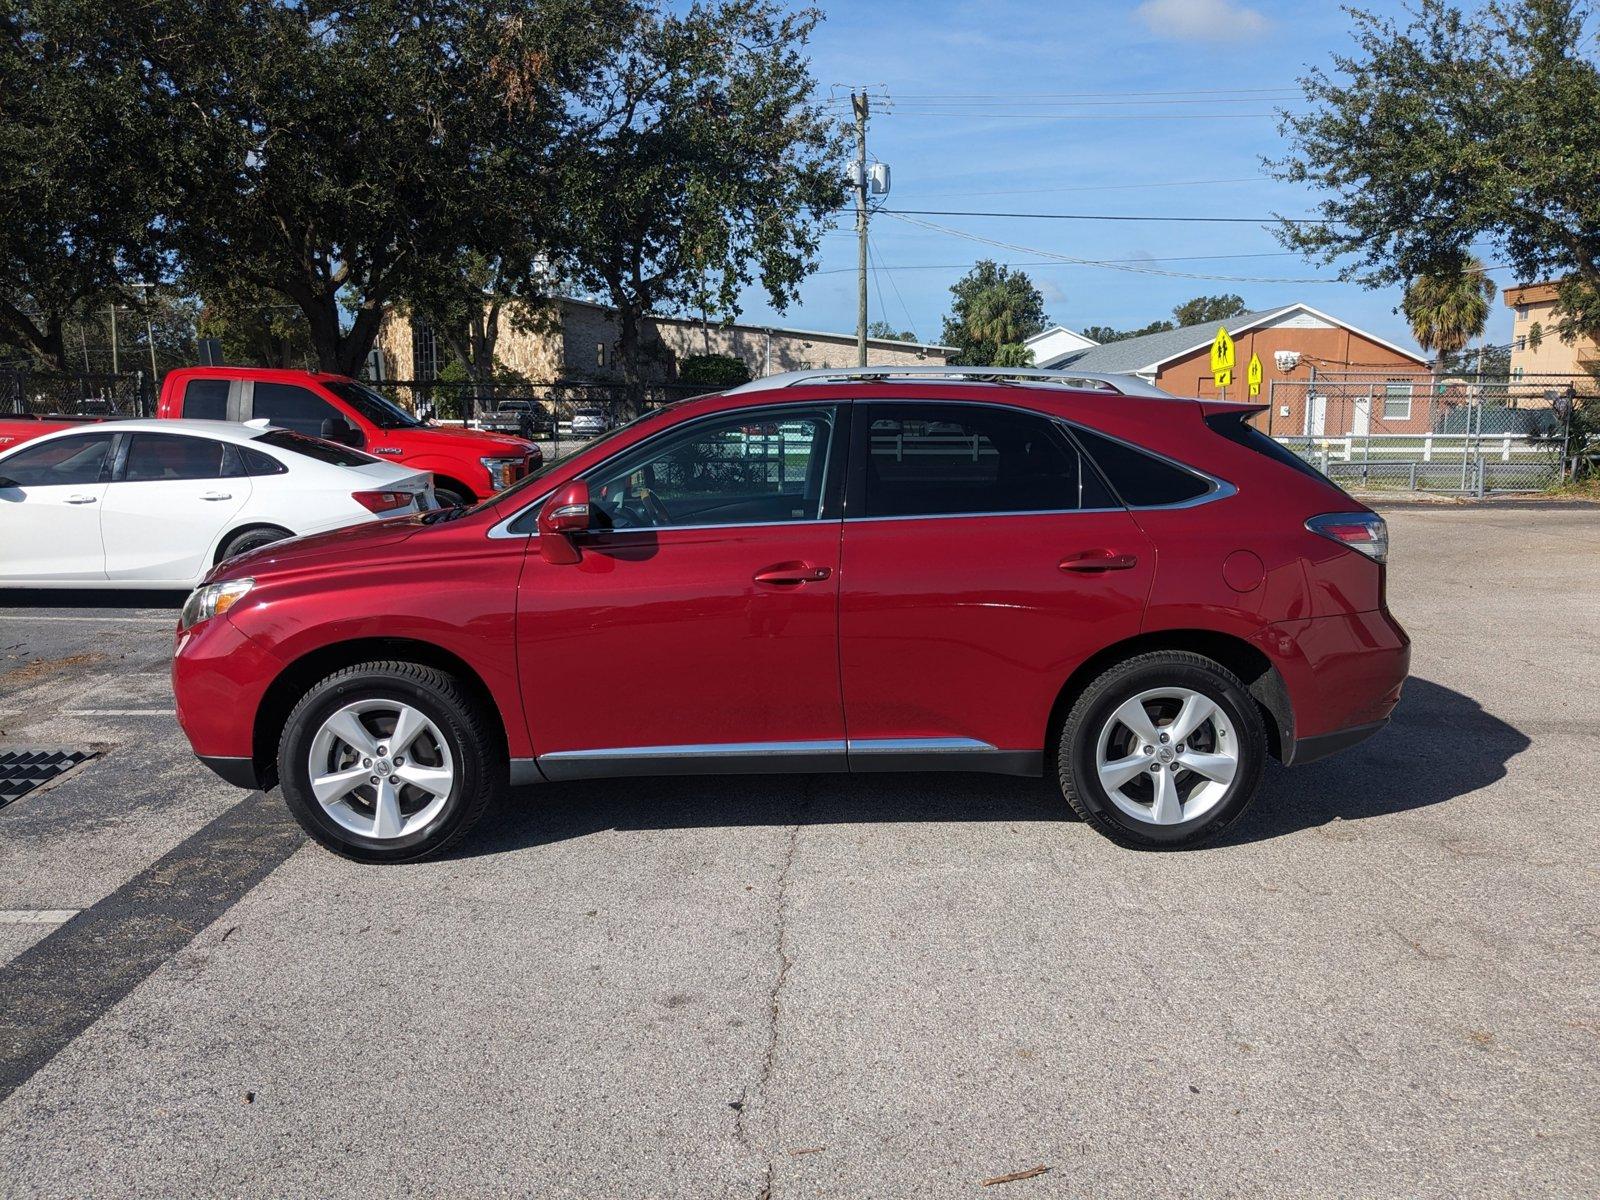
(171, 497)
(288, 406)
(699, 625)
(50, 506)
(983, 560)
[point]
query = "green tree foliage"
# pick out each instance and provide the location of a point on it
(1449, 307)
(886, 331)
(1208, 310)
(256, 326)
(712, 167)
(347, 153)
(84, 169)
(1202, 310)
(1105, 333)
(1448, 130)
(713, 370)
(994, 306)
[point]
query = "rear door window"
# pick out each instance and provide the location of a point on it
(206, 399)
(925, 460)
(154, 457)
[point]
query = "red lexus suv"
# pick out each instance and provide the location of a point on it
(1140, 595)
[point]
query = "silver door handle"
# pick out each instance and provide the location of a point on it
(216, 495)
(80, 499)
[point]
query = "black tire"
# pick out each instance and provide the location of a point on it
(1079, 747)
(251, 539)
(450, 496)
(471, 733)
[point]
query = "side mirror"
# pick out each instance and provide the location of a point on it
(564, 514)
(335, 430)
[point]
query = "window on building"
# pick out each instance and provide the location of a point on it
(1397, 401)
(956, 459)
(428, 353)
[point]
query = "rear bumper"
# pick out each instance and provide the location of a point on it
(1342, 675)
(241, 772)
(1306, 750)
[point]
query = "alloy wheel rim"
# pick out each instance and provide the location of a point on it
(1167, 755)
(380, 769)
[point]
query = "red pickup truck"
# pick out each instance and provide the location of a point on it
(467, 464)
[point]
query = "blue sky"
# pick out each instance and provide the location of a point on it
(1033, 107)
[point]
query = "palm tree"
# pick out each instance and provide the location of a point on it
(1448, 308)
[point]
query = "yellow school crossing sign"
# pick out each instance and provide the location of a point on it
(1222, 358)
(1253, 375)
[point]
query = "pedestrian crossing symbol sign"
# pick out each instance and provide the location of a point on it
(1222, 358)
(1253, 375)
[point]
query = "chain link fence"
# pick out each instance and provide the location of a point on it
(27, 393)
(1463, 435)
(558, 416)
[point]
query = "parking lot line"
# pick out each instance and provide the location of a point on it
(36, 916)
(32, 617)
(118, 712)
(59, 986)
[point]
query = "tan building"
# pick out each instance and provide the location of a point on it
(577, 339)
(1536, 347)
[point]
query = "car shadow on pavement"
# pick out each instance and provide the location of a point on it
(1439, 745)
(89, 598)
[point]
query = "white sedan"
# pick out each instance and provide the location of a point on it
(156, 504)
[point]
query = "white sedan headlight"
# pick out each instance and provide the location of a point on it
(212, 600)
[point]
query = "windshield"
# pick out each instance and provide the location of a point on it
(379, 409)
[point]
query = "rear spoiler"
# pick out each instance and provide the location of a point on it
(1229, 408)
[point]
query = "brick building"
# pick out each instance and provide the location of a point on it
(1179, 361)
(578, 340)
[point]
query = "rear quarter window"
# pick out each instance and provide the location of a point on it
(1141, 479)
(310, 447)
(1234, 427)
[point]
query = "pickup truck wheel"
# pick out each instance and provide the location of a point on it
(389, 761)
(450, 496)
(252, 539)
(1163, 751)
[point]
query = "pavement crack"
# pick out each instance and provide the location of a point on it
(755, 1106)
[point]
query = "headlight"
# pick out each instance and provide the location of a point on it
(502, 471)
(213, 600)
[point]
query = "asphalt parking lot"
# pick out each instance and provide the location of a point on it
(1385, 982)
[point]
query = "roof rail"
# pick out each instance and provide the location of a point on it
(1126, 385)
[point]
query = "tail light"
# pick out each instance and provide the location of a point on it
(1362, 532)
(381, 502)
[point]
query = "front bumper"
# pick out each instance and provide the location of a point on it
(241, 772)
(219, 677)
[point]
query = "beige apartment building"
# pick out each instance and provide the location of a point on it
(578, 340)
(1533, 306)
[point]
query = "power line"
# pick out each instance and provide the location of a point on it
(1056, 262)
(1109, 264)
(1038, 216)
(1105, 187)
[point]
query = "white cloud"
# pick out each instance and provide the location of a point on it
(1201, 20)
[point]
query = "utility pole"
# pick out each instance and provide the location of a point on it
(114, 370)
(149, 329)
(859, 103)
